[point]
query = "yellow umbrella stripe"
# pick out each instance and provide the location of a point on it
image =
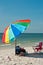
(7, 36)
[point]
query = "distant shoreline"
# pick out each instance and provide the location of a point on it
(28, 33)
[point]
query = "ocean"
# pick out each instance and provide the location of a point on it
(26, 39)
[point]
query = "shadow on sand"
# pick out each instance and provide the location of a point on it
(35, 55)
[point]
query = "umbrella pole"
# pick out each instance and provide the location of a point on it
(15, 47)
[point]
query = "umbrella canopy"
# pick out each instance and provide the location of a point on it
(14, 30)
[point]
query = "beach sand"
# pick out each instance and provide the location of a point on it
(8, 57)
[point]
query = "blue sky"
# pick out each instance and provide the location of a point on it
(11, 10)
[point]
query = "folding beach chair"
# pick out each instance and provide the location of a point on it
(39, 47)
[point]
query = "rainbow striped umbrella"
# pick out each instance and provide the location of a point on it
(14, 30)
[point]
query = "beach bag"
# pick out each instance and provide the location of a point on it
(17, 50)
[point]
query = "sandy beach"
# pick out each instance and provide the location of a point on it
(8, 57)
